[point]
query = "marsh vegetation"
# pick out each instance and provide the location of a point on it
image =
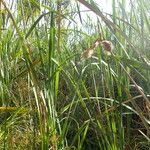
(73, 76)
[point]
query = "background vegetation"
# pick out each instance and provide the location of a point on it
(51, 99)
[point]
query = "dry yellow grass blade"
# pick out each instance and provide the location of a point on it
(8, 108)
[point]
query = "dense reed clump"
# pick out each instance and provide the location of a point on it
(73, 76)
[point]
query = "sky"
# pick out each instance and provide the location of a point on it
(104, 5)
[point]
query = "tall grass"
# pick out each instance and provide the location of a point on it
(56, 94)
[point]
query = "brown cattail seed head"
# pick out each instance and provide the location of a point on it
(87, 54)
(89, 51)
(107, 46)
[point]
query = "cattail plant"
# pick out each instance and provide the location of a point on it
(89, 51)
(106, 45)
(49, 102)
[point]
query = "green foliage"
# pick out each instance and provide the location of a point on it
(50, 98)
